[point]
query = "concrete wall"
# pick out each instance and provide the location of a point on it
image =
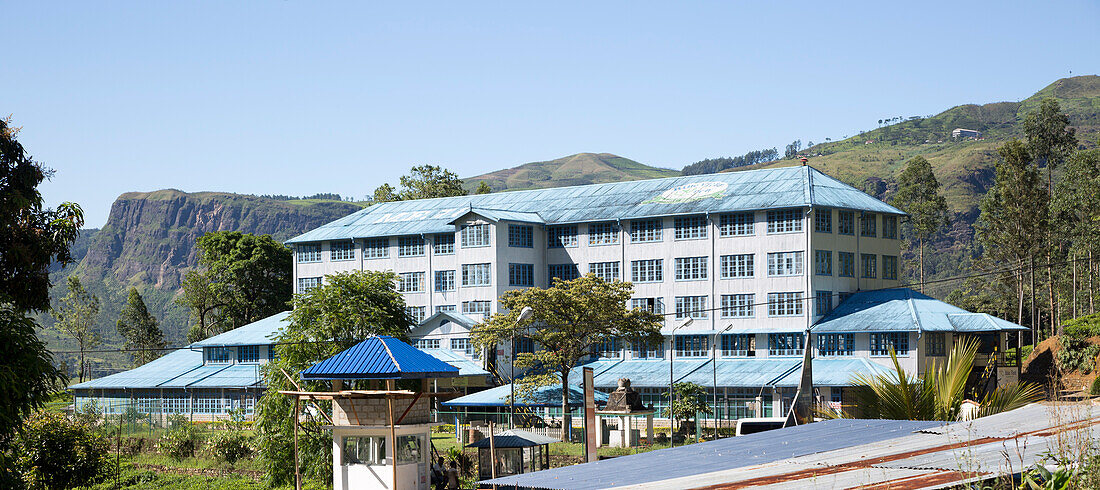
(374, 411)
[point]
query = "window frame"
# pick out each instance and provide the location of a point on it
(690, 227)
(643, 268)
(695, 311)
(836, 344)
(521, 275)
(782, 221)
(611, 274)
(647, 230)
(443, 279)
(308, 253)
(521, 236)
(823, 220)
(410, 246)
(562, 236)
(780, 304)
(602, 234)
(341, 250)
(695, 268)
(882, 341)
(731, 304)
(786, 264)
(476, 235)
(376, 248)
(737, 266)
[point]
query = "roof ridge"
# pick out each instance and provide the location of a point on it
(389, 352)
(912, 308)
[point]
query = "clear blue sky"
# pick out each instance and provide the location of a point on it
(301, 97)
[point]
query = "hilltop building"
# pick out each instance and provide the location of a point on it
(965, 133)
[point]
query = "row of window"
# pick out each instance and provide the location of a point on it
(779, 344)
(845, 225)
(245, 354)
(460, 345)
(846, 267)
(472, 236)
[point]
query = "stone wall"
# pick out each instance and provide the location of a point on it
(373, 411)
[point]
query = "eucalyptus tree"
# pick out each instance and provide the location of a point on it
(144, 338)
(919, 195)
(76, 315)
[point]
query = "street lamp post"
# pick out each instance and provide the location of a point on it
(714, 372)
(524, 314)
(671, 357)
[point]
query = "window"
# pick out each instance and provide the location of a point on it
(846, 223)
(376, 248)
(824, 302)
(444, 244)
(416, 313)
(463, 345)
(784, 264)
(823, 262)
(646, 230)
(642, 351)
(521, 275)
(248, 353)
(835, 344)
(823, 220)
(609, 348)
(565, 272)
(410, 449)
(608, 271)
(410, 246)
(890, 227)
(476, 235)
(561, 236)
(475, 307)
(602, 234)
(691, 306)
(936, 343)
(736, 224)
(427, 344)
(447, 308)
(868, 265)
(521, 236)
(309, 253)
(847, 264)
(691, 268)
(784, 220)
(785, 344)
(844, 296)
(691, 227)
(365, 450)
(341, 250)
(305, 284)
(524, 345)
(444, 281)
(890, 267)
(476, 275)
(739, 345)
(217, 355)
(882, 342)
(868, 224)
(652, 305)
(785, 304)
(736, 266)
(692, 346)
(649, 270)
(737, 305)
(410, 282)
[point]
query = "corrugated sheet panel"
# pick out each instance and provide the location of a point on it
(724, 454)
(902, 309)
(831, 372)
(698, 194)
(260, 332)
(381, 357)
(235, 376)
(745, 373)
(514, 438)
(151, 374)
(546, 396)
(193, 376)
(466, 367)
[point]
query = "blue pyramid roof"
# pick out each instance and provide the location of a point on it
(381, 357)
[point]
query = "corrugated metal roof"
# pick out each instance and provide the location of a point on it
(831, 372)
(466, 367)
(737, 372)
(771, 188)
(381, 357)
(514, 438)
(724, 454)
(546, 396)
(259, 332)
(150, 374)
(901, 310)
(748, 373)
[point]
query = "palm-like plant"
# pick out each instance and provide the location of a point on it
(937, 394)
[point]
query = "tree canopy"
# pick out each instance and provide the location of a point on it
(422, 182)
(76, 315)
(245, 278)
(144, 337)
(346, 309)
(919, 195)
(568, 321)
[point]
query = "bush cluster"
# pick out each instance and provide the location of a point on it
(1077, 354)
(53, 451)
(181, 441)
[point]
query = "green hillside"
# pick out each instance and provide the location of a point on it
(579, 169)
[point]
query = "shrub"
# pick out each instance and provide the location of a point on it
(230, 446)
(1082, 327)
(1076, 354)
(1094, 389)
(180, 442)
(55, 452)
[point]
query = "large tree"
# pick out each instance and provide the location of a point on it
(33, 237)
(346, 309)
(246, 277)
(1076, 205)
(567, 321)
(919, 195)
(1010, 228)
(423, 182)
(76, 315)
(144, 338)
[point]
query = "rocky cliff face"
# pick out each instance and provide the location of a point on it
(149, 238)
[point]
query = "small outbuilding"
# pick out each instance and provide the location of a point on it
(514, 451)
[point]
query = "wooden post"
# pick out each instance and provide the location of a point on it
(393, 434)
(492, 452)
(297, 470)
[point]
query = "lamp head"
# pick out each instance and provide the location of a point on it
(525, 313)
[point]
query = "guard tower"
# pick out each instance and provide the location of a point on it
(381, 436)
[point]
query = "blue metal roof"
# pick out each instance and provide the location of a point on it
(466, 367)
(381, 357)
(181, 368)
(902, 310)
(259, 332)
(723, 454)
(750, 190)
(546, 396)
(514, 438)
(747, 373)
(831, 372)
